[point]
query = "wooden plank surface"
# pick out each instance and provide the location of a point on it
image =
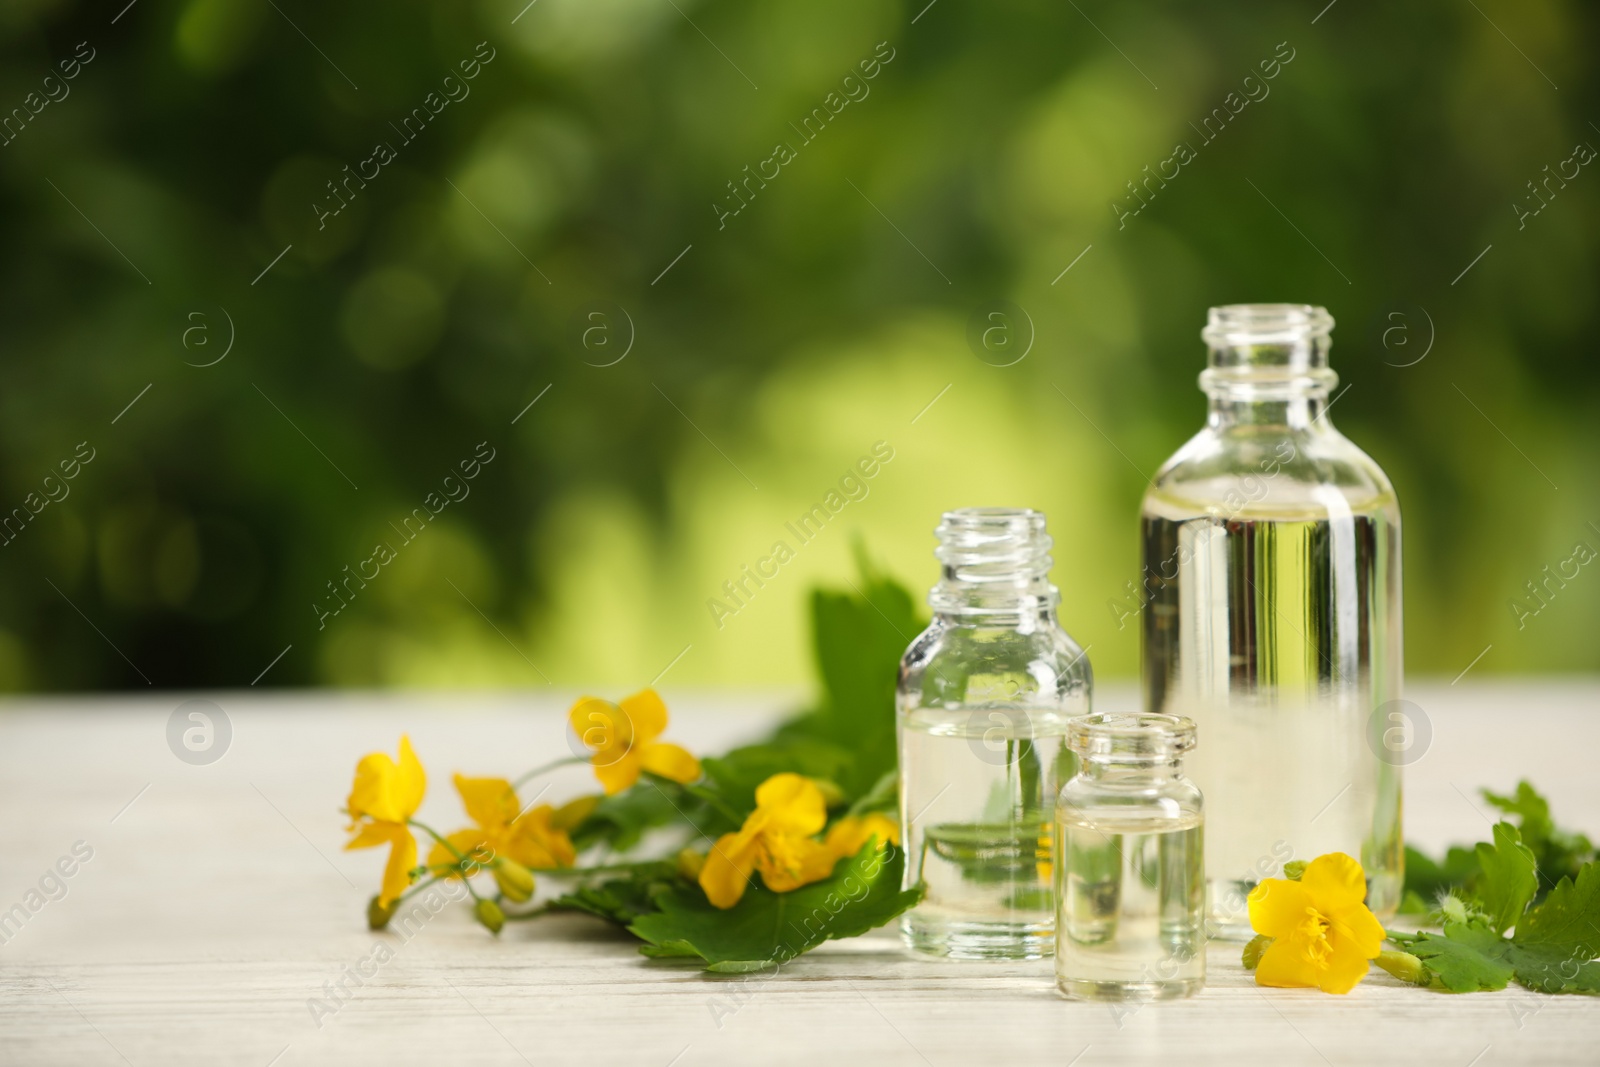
(217, 903)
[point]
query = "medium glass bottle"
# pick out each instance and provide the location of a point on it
(1130, 867)
(985, 695)
(1271, 614)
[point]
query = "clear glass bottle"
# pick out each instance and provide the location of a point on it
(1271, 614)
(985, 695)
(1130, 865)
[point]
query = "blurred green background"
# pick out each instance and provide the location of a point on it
(584, 171)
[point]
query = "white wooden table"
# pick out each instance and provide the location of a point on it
(217, 902)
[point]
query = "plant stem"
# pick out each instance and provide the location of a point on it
(547, 768)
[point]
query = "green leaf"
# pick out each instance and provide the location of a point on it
(1552, 951)
(1558, 853)
(767, 928)
(1569, 918)
(1506, 879)
(620, 821)
(859, 637)
(735, 776)
(1466, 958)
(620, 900)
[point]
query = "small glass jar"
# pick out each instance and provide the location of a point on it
(984, 698)
(1130, 862)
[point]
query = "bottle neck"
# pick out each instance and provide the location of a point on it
(1303, 411)
(994, 570)
(1130, 771)
(1268, 367)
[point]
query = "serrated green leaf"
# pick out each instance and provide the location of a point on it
(619, 900)
(1569, 919)
(670, 950)
(1558, 853)
(1466, 958)
(1506, 879)
(859, 637)
(1552, 951)
(1547, 969)
(767, 928)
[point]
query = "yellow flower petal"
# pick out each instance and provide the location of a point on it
(386, 790)
(371, 835)
(600, 725)
(1278, 907)
(490, 802)
(535, 842)
(1346, 965)
(1287, 965)
(727, 868)
(1335, 881)
(847, 836)
(669, 761)
(1361, 929)
(792, 804)
(616, 770)
(647, 715)
(789, 862)
(397, 872)
(413, 781)
(466, 842)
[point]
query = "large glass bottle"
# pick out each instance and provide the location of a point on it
(985, 695)
(1271, 614)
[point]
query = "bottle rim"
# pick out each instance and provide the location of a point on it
(1230, 325)
(1136, 738)
(992, 560)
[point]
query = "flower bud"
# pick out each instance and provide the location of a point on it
(489, 914)
(378, 915)
(1294, 869)
(515, 880)
(1404, 966)
(1254, 950)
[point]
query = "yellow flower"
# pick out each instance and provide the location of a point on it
(623, 740)
(1323, 932)
(383, 797)
(846, 836)
(505, 832)
(776, 840)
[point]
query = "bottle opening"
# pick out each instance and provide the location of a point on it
(1144, 738)
(1272, 347)
(993, 559)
